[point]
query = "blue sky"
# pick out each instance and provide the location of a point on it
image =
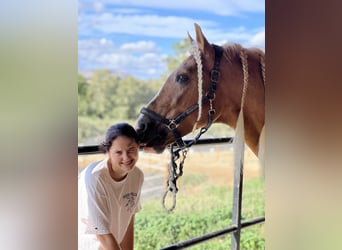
(131, 37)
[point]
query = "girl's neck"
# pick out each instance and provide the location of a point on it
(116, 175)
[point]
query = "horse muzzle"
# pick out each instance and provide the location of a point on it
(151, 134)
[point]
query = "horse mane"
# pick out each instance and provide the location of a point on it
(233, 50)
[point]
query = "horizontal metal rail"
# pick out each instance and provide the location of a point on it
(94, 149)
(209, 236)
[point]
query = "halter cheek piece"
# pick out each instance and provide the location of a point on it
(172, 124)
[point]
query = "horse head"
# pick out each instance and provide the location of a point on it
(208, 83)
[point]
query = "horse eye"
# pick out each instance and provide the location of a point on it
(182, 79)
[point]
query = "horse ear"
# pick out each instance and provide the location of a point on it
(190, 38)
(202, 42)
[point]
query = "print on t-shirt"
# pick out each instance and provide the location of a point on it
(131, 200)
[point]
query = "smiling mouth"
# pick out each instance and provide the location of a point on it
(127, 164)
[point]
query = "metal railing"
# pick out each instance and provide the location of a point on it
(209, 236)
(234, 229)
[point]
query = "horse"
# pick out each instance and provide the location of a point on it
(216, 80)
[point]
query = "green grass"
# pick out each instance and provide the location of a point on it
(202, 207)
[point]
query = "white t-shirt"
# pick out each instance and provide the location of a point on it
(104, 205)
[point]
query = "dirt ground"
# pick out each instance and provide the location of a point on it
(219, 166)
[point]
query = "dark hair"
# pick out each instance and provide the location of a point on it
(119, 129)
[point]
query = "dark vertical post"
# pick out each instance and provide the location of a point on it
(237, 205)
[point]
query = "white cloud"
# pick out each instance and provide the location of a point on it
(129, 17)
(143, 58)
(140, 47)
(247, 38)
(147, 25)
(110, 19)
(219, 7)
(258, 40)
(146, 60)
(98, 6)
(159, 26)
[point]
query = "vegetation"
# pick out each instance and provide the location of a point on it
(106, 98)
(195, 215)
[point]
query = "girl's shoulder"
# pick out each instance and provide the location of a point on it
(138, 170)
(137, 173)
(93, 171)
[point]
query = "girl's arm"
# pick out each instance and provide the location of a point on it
(128, 240)
(108, 242)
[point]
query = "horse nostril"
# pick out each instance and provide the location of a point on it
(142, 126)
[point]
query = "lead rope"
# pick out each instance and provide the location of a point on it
(174, 173)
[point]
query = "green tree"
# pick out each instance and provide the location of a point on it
(103, 85)
(131, 95)
(83, 96)
(181, 50)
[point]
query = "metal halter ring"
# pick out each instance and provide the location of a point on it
(211, 96)
(172, 125)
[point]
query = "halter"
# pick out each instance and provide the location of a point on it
(174, 171)
(172, 124)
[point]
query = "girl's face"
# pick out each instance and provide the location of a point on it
(123, 155)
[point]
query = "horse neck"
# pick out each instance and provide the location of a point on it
(254, 105)
(253, 124)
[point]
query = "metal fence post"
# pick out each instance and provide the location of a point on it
(239, 153)
(237, 206)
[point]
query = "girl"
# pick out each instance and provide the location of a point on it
(109, 193)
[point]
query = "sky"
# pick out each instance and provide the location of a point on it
(132, 37)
